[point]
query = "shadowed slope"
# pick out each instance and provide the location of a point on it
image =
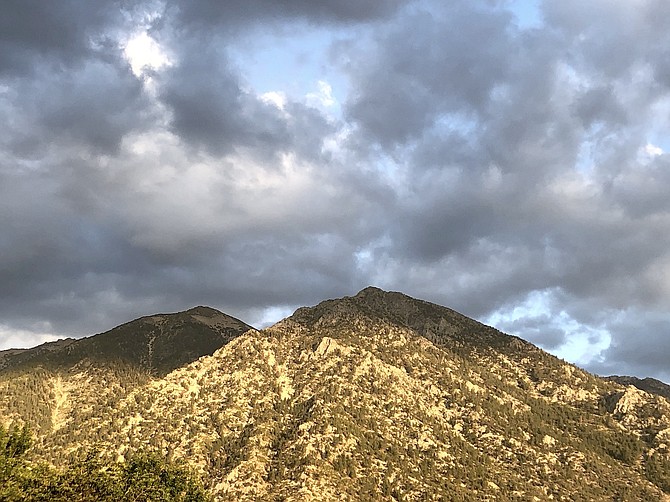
(57, 383)
(159, 343)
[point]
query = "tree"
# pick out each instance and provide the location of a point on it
(142, 477)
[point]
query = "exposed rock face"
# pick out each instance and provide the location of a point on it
(383, 397)
(630, 401)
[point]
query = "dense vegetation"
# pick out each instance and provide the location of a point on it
(142, 477)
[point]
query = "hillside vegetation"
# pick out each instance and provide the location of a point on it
(142, 477)
(373, 397)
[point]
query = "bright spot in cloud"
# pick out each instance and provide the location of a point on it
(273, 314)
(648, 153)
(323, 98)
(653, 150)
(584, 344)
(144, 53)
(527, 12)
(364, 258)
(275, 98)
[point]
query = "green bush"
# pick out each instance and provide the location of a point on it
(142, 477)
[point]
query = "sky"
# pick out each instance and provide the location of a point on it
(506, 158)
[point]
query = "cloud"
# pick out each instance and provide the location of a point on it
(637, 344)
(444, 150)
(23, 339)
(44, 33)
(528, 152)
(399, 95)
(210, 12)
(144, 54)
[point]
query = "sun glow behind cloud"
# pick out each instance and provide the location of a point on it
(145, 57)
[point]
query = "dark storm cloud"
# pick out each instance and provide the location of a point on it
(600, 105)
(642, 191)
(610, 40)
(211, 12)
(65, 77)
(398, 94)
(125, 220)
(35, 33)
(548, 174)
(637, 344)
(474, 163)
(94, 106)
(64, 32)
(210, 108)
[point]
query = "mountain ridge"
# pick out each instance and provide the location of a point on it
(377, 396)
(47, 385)
(648, 384)
(126, 341)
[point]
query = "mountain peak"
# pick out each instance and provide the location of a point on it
(157, 343)
(443, 326)
(204, 311)
(370, 290)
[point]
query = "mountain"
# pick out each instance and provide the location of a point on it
(650, 385)
(381, 396)
(158, 343)
(55, 382)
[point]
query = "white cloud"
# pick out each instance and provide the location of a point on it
(647, 153)
(323, 98)
(653, 150)
(540, 317)
(21, 339)
(271, 315)
(275, 98)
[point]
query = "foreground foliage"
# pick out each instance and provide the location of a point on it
(142, 477)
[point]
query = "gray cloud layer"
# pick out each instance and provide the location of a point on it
(515, 173)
